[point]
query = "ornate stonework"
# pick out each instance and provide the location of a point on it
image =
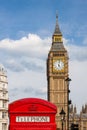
(3, 99)
(57, 73)
(78, 118)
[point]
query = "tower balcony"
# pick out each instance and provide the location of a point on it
(3, 108)
(5, 98)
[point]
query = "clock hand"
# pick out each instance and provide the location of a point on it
(59, 65)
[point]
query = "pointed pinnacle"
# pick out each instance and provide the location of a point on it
(57, 29)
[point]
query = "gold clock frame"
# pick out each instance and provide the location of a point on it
(54, 60)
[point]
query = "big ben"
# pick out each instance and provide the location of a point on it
(57, 73)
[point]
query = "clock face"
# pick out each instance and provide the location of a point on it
(58, 65)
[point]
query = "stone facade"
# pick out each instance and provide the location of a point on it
(3, 99)
(80, 119)
(57, 73)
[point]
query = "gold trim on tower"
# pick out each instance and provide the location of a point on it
(57, 38)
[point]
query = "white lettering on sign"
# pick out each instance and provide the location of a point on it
(32, 119)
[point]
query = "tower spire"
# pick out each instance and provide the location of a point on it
(57, 35)
(57, 29)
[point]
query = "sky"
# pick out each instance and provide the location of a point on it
(26, 29)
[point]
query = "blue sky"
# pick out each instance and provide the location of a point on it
(26, 28)
(19, 17)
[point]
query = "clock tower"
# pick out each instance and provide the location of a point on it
(57, 73)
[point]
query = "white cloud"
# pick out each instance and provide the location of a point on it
(25, 60)
(27, 50)
(78, 85)
(76, 52)
(26, 84)
(30, 45)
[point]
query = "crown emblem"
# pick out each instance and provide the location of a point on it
(32, 107)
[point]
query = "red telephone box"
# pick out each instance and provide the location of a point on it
(32, 114)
